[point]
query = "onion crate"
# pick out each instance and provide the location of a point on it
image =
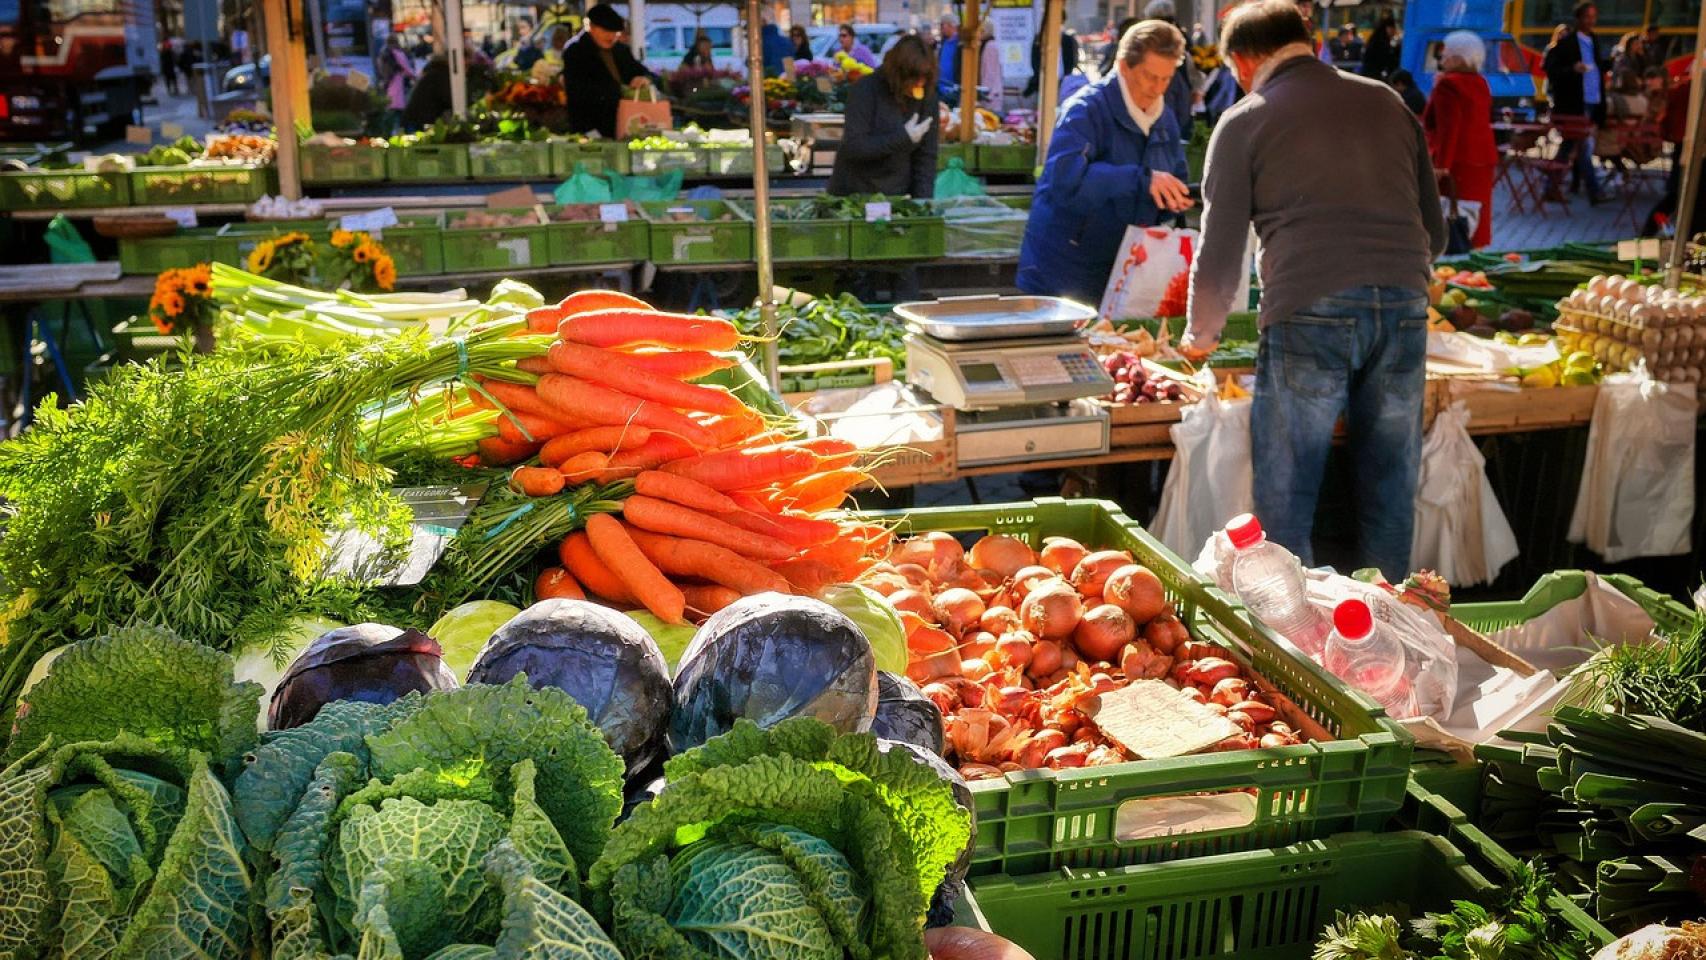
(795, 240)
(697, 231)
(427, 162)
(198, 183)
(510, 160)
(899, 238)
(1255, 905)
(55, 189)
(471, 244)
(1144, 811)
(342, 163)
(578, 234)
(595, 156)
(150, 255)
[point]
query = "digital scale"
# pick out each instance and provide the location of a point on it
(1018, 370)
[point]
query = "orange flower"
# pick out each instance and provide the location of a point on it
(384, 272)
(342, 238)
(173, 305)
(364, 253)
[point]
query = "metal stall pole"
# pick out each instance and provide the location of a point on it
(1690, 159)
(1049, 89)
(761, 191)
(458, 54)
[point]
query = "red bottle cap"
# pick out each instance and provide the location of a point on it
(1353, 619)
(1244, 530)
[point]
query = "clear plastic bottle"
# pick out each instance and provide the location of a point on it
(1269, 581)
(1369, 659)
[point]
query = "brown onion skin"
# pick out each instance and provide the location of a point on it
(1103, 632)
(1005, 555)
(1093, 571)
(1062, 554)
(1052, 610)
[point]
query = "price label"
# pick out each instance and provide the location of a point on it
(372, 221)
(357, 80)
(1644, 249)
(878, 210)
(182, 216)
(136, 134)
(170, 130)
(613, 212)
(519, 249)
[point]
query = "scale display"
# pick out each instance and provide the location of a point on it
(991, 375)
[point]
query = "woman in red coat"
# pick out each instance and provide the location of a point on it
(1459, 124)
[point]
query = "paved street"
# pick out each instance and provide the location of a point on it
(1609, 221)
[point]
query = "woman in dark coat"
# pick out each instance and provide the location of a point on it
(888, 142)
(1380, 56)
(597, 67)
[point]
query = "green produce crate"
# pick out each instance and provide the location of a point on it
(948, 151)
(210, 183)
(1440, 773)
(1040, 820)
(1256, 905)
(415, 244)
(689, 160)
(737, 161)
(709, 239)
(1006, 158)
(344, 163)
(795, 241)
(150, 255)
(592, 241)
(50, 189)
(235, 241)
(427, 161)
(903, 238)
(475, 249)
(1669, 614)
(597, 156)
(510, 160)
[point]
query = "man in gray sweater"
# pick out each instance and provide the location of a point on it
(1333, 171)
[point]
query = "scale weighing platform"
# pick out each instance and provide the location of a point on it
(1018, 370)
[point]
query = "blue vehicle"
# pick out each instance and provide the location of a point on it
(1426, 23)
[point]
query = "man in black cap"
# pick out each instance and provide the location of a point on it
(597, 67)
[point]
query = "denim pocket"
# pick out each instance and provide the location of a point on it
(1316, 353)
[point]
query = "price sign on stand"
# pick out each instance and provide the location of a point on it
(613, 212)
(170, 130)
(372, 221)
(182, 216)
(878, 210)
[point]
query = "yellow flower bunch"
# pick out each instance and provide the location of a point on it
(852, 68)
(360, 261)
(289, 257)
(180, 296)
(1206, 57)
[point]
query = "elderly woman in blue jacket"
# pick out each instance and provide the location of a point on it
(1115, 160)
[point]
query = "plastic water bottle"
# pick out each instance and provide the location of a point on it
(1269, 581)
(1369, 659)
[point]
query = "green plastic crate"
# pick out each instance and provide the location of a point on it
(1669, 614)
(235, 241)
(903, 238)
(948, 151)
(689, 160)
(1006, 158)
(1442, 774)
(427, 162)
(415, 244)
(596, 156)
(149, 255)
(709, 239)
(343, 163)
(210, 183)
(1256, 905)
(737, 161)
(798, 241)
(1039, 820)
(591, 241)
(482, 249)
(510, 160)
(51, 189)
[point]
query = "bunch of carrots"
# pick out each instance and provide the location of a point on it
(724, 505)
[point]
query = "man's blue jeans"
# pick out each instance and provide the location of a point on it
(1360, 353)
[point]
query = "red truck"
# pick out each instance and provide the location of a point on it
(74, 68)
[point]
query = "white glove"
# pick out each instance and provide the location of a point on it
(917, 128)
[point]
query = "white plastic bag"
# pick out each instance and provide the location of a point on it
(1151, 275)
(1210, 480)
(1460, 530)
(1431, 656)
(1636, 497)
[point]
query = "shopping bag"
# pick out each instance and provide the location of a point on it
(1636, 497)
(583, 187)
(1210, 480)
(1461, 531)
(1151, 275)
(642, 112)
(954, 181)
(664, 186)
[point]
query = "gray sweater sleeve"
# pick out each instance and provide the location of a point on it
(1427, 190)
(1219, 267)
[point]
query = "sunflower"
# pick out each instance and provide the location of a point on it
(162, 324)
(384, 272)
(260, 258)
(342, 238)
(364, 253)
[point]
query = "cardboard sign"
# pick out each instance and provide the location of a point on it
(1153, 721)
(520, 196)
(1643, 249)
(170, 130)
(140, 135)
(613, 212)
(878, 210)
(183, 216)
(357, 80)
(371, 221)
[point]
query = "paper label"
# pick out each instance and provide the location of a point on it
(182, 216)
(613, 212)
(520, 250)
(1153, 721)
(878, 210)
(357, 80)
(136, 134)
(170, 130)
(1644, 249)
(371, 221)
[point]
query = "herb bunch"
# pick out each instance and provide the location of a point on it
(1662, 679)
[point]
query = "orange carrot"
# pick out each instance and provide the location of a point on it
(808, 576)
(536, 481)
(707, 561)
(604, 440)
(795, 528)
(643, 579)
(748, 468)
(498, 452)
(612, 369)
(583, 466)
(662, 516)
(680, 364)
(662, 448)
(555, 582)
(603, 405)
(539, 429)
(732, 430)
(539, 365)
(688, 493)
(626, 327)
(545, 319)
(518, 397)
(823, 491)
(834, 451)
(706, 599)
(582, 562)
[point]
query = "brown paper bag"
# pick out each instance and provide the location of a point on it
(642, 112)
